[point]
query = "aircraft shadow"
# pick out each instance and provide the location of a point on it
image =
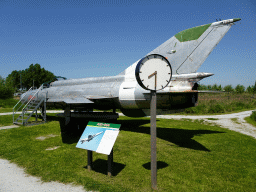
(180, 137)
(101, 166)
(72, 132)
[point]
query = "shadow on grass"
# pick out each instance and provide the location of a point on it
(72, 132)
(101, 166)
(180, 137)
(160, 165)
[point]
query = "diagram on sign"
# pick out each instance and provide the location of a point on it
(90, 137)
(99, 137)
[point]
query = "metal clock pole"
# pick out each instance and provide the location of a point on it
(153, 139)
(148, 67)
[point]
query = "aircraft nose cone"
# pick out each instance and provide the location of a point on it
(236, 19)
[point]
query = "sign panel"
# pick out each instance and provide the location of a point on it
(99, 137)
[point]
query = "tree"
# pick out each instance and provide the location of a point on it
(228, 88)
(1, 80)
(254, 87)
(214, 87)
(202, 87)
(34, 74)
(239, 88)
(219, 88)
(13, 80)
(209, 87)
(6, 92)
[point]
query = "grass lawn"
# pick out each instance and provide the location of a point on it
(191, 157)
(5, 110)
(249, 120)
(6, 120)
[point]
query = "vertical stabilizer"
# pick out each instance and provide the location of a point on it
(188, 49)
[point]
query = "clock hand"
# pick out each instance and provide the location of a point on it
(155, 73)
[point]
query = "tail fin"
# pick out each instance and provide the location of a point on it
(188, 49)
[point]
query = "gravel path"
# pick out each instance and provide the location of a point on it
(224, 121)
(13, 179)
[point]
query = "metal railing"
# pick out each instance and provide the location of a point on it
(13, 109)
(24, 110)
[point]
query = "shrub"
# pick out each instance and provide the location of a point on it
(228, 108)
(253, 115)
(201, 108)
(240, 105)
(239, 88)
(191, 110)
(5, 92)
(218, 108)
(228, 88)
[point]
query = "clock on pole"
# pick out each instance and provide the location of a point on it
(153, 73)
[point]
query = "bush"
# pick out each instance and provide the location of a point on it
(240, 88)
(216, 109)
(8, 103)
(228, 88)
(191, 110)
(240, 105)
(5, 92)
(253, 115)
(201, 108)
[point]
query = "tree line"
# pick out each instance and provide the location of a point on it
(20, 80)
(35, 76)
(228, 88)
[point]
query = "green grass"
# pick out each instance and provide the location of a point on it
(8, 103)
(5, 110)
(191, 157)
(250, 121)
(6, 120)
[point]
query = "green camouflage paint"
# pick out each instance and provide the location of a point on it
(192, 33)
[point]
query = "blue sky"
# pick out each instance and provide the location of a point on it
(78, 39)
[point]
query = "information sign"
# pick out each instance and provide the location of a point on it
(99, 137)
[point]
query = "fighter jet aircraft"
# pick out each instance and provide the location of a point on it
(186, 51)
(90, 137)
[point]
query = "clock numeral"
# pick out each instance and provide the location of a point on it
(147, 86)
(162, 86)
(142, 80)
(169, 73)
(167, 81)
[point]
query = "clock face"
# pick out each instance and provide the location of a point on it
(153, 72)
